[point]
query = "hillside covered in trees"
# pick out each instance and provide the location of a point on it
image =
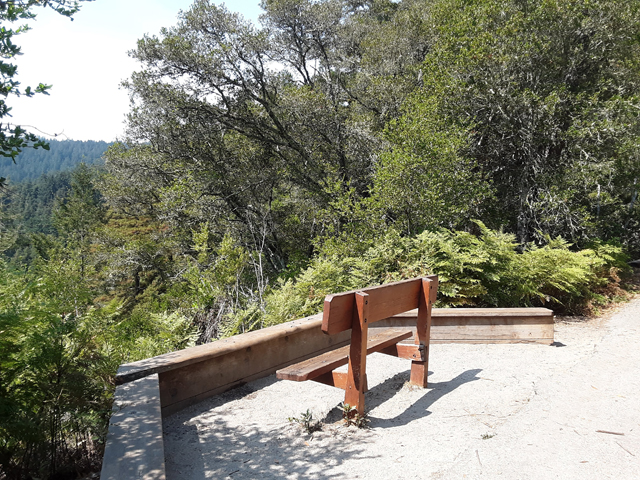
(337, 145)
(63, 155)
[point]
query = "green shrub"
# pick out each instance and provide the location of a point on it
(485, 270)
(58, 358)
(305, 295)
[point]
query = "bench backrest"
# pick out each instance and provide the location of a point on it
(384, 302)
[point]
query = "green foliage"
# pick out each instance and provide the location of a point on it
(545, 94)
(53, 402)
(8, 233)
(58, 357)
(304, 296)
(32, 202)
(82, 210)
(306, 422)
(215, 271)
(269, 154)
(154, 334)
(214, 284)
(351, 416)
(423, 181)
(487, 270)
(339, 146)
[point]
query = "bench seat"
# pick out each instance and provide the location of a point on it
(317, 366)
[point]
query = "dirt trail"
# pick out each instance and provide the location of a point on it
(491, 411)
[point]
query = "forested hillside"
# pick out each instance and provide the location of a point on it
(63, 155)
(338, 145)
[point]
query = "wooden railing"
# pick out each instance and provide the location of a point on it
(156, 387)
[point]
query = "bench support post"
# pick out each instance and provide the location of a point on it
(420, 369)
(408, 352)
(333, 379)
(356, 374)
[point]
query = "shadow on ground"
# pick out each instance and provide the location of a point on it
(218, 448)
(390, 387)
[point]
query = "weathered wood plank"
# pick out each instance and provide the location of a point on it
(484, 312)
(298, 329)
(493, 341)
(384, 301)
(135, 447)
(420, 368)
(357, 370)
(335, 379)
(408, 352)
(191, 383)
(482, 325)
(329, 361)
(497, 332)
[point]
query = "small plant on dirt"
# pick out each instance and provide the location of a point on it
(306, 422)
(487, 436)
(352, 417)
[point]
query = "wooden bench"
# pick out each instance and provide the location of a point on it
(357, 310)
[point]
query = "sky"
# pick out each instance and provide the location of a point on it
(85, 60)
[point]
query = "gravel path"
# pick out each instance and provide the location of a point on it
(491, 411)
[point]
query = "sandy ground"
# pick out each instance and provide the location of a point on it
(491, 411)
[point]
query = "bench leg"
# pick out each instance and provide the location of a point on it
(356, 374)
(420, 369)
(337, 379)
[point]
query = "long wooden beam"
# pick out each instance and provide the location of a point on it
(482, 325)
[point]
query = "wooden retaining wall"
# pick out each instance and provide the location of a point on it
(189, 376)
(481, 325)
(156, 387)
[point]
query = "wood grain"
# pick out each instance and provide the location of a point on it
(408, 352)
(384, 301)
(334, 379)
(481, 325)
(420, 367)
(302, 330)
(313, 367)
(191, 383)
(476, 332)
(357, 371)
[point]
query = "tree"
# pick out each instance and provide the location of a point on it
(424, 181)
(548, 95)
(13, 138)
(258, 130)
(80, 212)
(8, 233)
(82, 209)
